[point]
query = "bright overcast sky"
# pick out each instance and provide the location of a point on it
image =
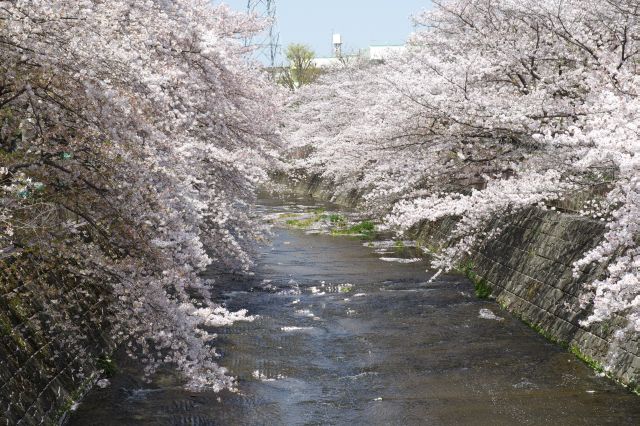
(360, 22)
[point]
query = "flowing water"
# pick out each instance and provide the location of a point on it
(343, 337)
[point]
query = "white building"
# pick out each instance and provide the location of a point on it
(326, 62)
(376, 53)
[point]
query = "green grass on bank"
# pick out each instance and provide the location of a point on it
(365, 228)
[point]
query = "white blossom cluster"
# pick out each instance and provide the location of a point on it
(132, 137)
(497, 105)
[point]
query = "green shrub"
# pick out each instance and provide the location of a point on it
(337, 219)
(483, 290)
(107, 365)
(365, 228)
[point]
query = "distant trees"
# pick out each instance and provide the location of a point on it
(301, 70)
(497, 106)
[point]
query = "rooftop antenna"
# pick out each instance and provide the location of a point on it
(266, 9)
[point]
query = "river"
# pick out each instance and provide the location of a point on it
(343, 337)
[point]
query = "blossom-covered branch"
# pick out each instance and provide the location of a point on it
(133, 135)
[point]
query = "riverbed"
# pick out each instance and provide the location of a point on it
(350, 331)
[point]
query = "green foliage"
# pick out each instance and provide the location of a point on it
(18, 308)
(64, 409)
(483, 289)
(575, 350)
(595, 365)
(20, 341)
(599, 368)
(76, 395)
(7, 330)
(337, 219)
(107, 365)
(365, 228)
(301, 69)
(299, 54)
(541, 331)
(345, 288)
(5, 325)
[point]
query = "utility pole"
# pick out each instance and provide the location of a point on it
(271, 45)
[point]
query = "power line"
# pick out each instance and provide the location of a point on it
(270, 45)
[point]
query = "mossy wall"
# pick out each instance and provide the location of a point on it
(529, 267)
(51, 336)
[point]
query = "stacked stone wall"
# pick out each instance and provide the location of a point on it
(529, 266)
(52, 337)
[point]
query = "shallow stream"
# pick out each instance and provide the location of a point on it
(343, 337)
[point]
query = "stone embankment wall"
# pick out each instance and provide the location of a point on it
(51, 340)
(529, 268)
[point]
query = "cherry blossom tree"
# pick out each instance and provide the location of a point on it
(496, 106)
(133, 136)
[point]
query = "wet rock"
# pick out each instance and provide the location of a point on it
(489, 315)
(103, 383)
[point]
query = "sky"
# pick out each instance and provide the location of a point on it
(360, 22)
